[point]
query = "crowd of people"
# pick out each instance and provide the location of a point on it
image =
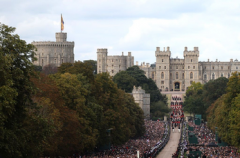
(155, 138)
(208, 145)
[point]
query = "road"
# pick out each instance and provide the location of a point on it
(171, 146)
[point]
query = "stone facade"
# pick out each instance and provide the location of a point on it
(142, 99)
(173, 74)
(113, 64)
(54, 53)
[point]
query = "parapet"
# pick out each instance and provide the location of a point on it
(52, 43)
(167, 52)
(61, 37)
(195, 52)
(102, 50)
(138, 90)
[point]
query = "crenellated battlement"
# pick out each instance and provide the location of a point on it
(194, 52)
(138, 90)
(166, 52)
(53, 44)
(102, 50)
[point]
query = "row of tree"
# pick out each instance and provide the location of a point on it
(199, 97)
(218, 101)
(134, 76)
(71, 111)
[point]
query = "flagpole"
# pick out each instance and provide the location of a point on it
(61, 23)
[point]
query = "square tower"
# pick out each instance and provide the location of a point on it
(162, 68)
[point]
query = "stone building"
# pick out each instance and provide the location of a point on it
(113, 64)
(175, 74)
(54, 53)
(142, 99)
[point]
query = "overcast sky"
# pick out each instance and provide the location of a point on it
(138, 26)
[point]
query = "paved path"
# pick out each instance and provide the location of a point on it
(171, 146)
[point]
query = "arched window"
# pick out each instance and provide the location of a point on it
(213, 76)
(183, 76)
(191, 75)
(42, 62)
(176, 75)
(55, 61)
(170, 75)
(205, 76)
(221, 74)
(228, 75)
(162, 75)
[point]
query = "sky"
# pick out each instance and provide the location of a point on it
(137, 26)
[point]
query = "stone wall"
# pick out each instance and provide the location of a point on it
(56, 53)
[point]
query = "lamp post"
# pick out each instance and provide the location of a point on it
(109, 136)
(216, 134)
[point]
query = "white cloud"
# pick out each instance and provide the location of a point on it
(138, 26)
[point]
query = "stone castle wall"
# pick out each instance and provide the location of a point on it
(172, 74)
(55, 53)
(142, 99)
(113, 64)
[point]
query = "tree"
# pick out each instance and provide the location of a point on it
(193, 101)
(94, 65)
(50, 69)
(17, 132)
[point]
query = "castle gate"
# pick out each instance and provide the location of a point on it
(176, 86)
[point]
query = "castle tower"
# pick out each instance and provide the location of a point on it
(191, 66)
(54, 53)
(142, 99)
(102, 60)
(162, 68)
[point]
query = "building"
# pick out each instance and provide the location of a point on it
(175, 74)
(113, 64)
(54, 53)
(142, 99)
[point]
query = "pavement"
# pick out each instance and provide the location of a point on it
(171, 146)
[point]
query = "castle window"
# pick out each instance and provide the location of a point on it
(191, 82)
(159, 67)
(42, 54)
(183, 76)
(213, 67)
(205, 76)
(228, 67)
(193, 67)
(191, 75)
(191, 60)
(188, 67)
(221, 74)
(62, 60)
(183, 67)
(170, 75)
(176, 75)
(112, 60)
(152, 75)
(213, 76)
(42, 62)
(228, 75)
(55, 61)
(221, 67)
(162, 75)
(162, 60)
(176, 67)
(164, 67)
(119, 66)
(112, 71)
(236, 67)
(170, 67)
(162, 82)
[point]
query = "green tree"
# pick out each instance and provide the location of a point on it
(21, 132)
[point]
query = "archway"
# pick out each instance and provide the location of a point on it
(176, 86)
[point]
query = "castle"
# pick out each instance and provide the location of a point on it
(54, 53)
(170, 74)
(142, 99)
